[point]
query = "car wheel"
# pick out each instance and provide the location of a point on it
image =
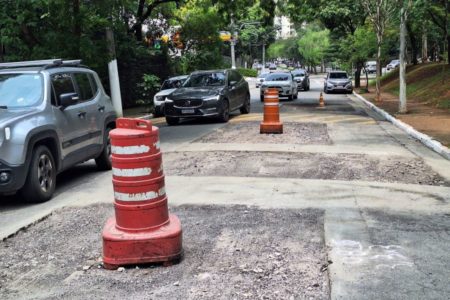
(41, 179)
(245, 109)
(103, 161)
(296, 95)
(224, 111)
(325, 91)
(172, 121)
(290, 97)
(262, 98)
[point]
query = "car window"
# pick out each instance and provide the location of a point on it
(298, 73)
(278, 77)
(172, 83)
(93, 84)
(338, 75)
(205, 79)
(84, 86)
(20, 90)
(62, 83)
(234, 76)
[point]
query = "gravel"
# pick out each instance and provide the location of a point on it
(248, 133)
(302, 165)
(236, 252)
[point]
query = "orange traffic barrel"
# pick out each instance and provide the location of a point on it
(143, 230)
(271, 122)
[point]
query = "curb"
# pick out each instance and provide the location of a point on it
(434, 145)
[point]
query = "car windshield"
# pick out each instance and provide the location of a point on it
(298, 73)
(206, 79)
(20, 90)
(277, 77)
(338, 75)
(172, 83)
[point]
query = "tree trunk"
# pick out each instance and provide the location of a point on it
(76, 28)
(413, 41)
(402, 100)
(378, 79)
(424, 47)
(358, 76)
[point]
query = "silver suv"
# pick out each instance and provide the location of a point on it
(53, 114)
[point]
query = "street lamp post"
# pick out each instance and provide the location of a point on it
(233, 40)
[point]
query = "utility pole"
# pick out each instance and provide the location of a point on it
(113, 72)
(263, 57)
(232, 44)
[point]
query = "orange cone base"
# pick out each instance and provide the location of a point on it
(163, 244)
(271, 128)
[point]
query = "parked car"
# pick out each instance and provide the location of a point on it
(54, 114)
(272, 67)
(208, 94)
(260, 79)
(393, 64)
(371, 67)
(302, 78)
(167, 88)
(283, 82)
(337, 81)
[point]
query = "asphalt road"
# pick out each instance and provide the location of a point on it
(387, 239)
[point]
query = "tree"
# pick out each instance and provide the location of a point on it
(313, 46)
(358, 48)
(406, 5)
(379, 13)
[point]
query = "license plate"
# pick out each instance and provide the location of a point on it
(187, 111)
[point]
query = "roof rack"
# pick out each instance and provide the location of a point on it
(46, 63)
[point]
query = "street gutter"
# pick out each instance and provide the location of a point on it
(428, 141)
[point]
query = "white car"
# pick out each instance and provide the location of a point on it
(283, 82)
(393, 64)
(371, 67)
(167, 88)
(260, 79)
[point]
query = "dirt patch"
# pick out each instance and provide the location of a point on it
(246, 253)
(302, 165)
(248, 132)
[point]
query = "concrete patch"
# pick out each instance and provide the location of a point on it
(248, 132)
(302, 165)
(234, 252)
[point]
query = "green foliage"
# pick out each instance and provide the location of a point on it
(248, 72)
(148, 88)
(313, 46)
(286, 48)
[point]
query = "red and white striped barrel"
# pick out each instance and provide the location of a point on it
(138, 179)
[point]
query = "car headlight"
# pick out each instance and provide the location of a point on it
(159, 98)
(216, 97)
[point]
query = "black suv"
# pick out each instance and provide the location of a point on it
(208, 94)
(53, 115)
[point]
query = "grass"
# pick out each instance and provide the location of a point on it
(427, 83)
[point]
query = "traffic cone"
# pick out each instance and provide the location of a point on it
(142, 230)
(321, 101)
(271, 122)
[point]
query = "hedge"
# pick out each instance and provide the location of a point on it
(248, 72)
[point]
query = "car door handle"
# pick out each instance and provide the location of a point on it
(101, 108)
(81, 114)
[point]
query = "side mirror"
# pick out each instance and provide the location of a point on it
(350, 77)
(233, 83)
(68, 99)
